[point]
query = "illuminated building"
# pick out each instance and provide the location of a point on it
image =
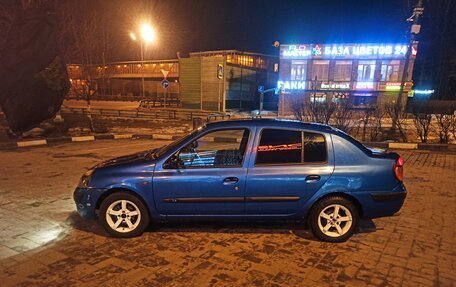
(212, 80)
(361, 73)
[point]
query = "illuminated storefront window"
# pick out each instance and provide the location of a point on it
(390, 70)
(320, 70)
(298, 70)
(342, 71)
(366, 70)
(318, 98)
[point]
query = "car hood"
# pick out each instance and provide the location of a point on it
(131, 158)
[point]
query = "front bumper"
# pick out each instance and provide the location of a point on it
(86, 201)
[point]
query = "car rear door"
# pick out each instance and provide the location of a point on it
(284, 173)
(210, 179)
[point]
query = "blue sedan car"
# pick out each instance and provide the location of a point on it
(257, 169)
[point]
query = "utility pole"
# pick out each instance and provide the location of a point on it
(414, 30)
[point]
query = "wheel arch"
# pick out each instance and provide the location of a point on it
(341, 194)
(120, 189)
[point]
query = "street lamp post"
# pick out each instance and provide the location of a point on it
(147, 35)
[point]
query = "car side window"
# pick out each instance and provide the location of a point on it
(278, 146)
(223, 148)
(314, 147)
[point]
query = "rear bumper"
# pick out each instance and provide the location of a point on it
(389, 196)
(381, 204)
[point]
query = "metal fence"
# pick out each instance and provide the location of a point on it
(149, 114)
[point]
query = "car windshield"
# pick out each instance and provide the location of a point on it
(164, 149)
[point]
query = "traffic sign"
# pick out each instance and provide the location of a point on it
(165, 84)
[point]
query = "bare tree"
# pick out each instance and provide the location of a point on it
(342, 116)
(299, 108)
(398, 117)
(422, 123)
(378, 114)
(81, 40)
(422, 119)
(321, 112)
(444, 124)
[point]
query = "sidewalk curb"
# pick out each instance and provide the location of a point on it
(53, 141)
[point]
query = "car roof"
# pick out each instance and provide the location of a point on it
(283, 123)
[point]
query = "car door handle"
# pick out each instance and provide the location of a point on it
(312, 178)
(230, 180)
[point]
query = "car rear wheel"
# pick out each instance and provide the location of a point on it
(334, 219)
(123, 215)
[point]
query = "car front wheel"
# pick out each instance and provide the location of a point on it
(334, 219)
(123, 215)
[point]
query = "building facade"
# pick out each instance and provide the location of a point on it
(360, 73)
(123, 80)
(213, 80)
(227, 80)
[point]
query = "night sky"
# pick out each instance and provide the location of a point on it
(253, 25)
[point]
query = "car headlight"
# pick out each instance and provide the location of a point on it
(85, 178)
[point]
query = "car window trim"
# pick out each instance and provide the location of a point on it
(255, 164)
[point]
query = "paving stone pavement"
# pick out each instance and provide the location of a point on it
(43, 242)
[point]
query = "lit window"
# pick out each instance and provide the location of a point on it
(298, 70)
(390, 70)
(366, 70)
(343, 71)
(318, 98)
(320, 70)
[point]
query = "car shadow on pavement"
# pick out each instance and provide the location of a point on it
(299, 229)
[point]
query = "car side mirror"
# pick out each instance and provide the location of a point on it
(190, 147)
(174, 162)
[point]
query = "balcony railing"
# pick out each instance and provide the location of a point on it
(132, 69)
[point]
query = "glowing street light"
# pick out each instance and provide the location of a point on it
(148, 35)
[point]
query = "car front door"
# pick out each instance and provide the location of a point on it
(204, 177)
(286, 169)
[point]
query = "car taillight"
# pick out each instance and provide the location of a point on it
(399, 168)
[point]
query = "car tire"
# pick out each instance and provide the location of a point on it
(123, 215)
(334, 219)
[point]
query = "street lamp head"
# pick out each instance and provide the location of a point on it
(133, 36)
(147, 33)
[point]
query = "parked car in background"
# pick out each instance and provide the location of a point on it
(255, 169)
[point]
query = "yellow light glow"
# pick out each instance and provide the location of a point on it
(133, 36)
(147, 33)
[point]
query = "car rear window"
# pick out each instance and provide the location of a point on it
(286, 147)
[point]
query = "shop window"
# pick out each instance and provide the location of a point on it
(318, 97)
(320, 70)
(390, 70)
(298, 70)
(343, 71)
(363, 100)
(366, 70)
